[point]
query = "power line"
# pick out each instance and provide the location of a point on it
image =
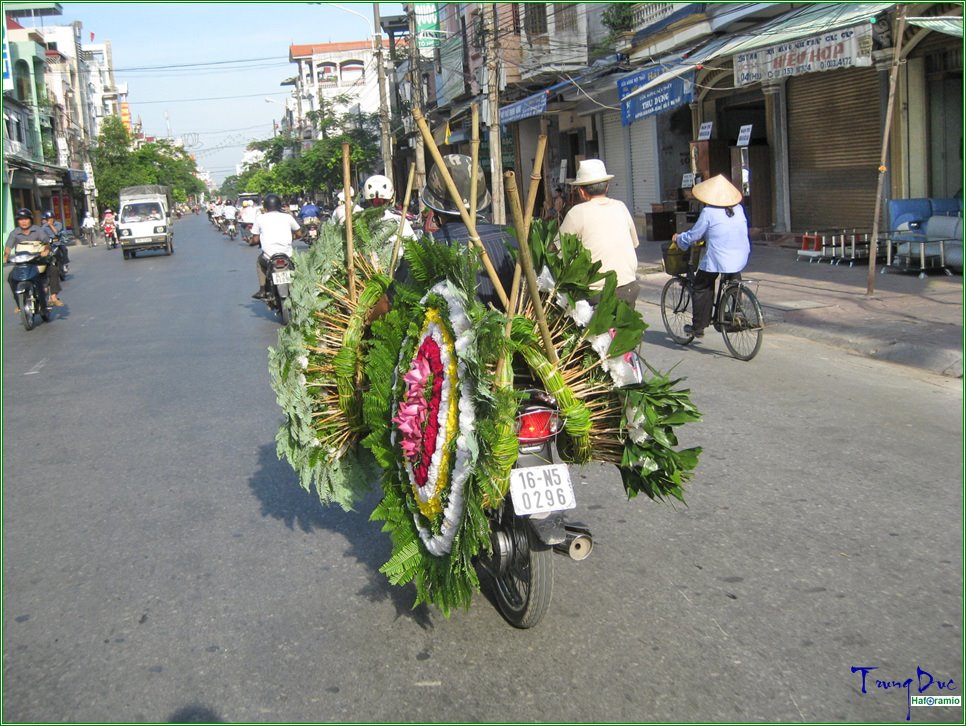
(213, 98)
(200, 65)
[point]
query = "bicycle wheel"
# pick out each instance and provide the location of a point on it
(741, 321)
(676, 309)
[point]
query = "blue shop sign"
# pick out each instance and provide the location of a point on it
(666, 96)
(530, 106)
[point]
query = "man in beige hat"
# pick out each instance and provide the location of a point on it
(605, 228)
(723, 227)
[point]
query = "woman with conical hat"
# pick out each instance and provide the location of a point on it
(723, 227)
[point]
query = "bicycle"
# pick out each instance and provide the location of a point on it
(736, 313)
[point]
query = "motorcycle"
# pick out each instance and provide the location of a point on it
(31, 287)
(277, 281)
(110, 235)
(58, 251)
(231, 230)
(311, 225)
(529, 526)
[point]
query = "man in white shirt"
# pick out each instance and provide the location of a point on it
(273, 231)
(249, 214)
(605, 228)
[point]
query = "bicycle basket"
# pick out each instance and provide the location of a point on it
(675, 260)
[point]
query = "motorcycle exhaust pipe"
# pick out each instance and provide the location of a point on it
(579, 542)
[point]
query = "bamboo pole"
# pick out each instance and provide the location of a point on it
(474, 156)
(454, 193)
(515, 296)
(349, 247)
(527, 260)
(402, 219)
(893, 77)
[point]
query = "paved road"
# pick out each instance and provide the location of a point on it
(160, 563)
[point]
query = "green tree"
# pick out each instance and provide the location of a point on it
(117, 166)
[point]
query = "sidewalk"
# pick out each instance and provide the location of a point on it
(908, 321)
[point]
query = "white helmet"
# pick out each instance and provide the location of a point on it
(352, 193)
(379, 187)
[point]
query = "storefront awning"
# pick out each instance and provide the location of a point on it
(813, 19)
(536, 104)
(948, 25)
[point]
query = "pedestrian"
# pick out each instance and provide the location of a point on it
(724, 228)
(605, 228)
(87, 228)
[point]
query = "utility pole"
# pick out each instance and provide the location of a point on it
(493, 122)
(416, 79)
(383, 104)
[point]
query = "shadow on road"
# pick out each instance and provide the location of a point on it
(276, 486)
(195, 714)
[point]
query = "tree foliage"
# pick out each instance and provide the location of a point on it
(117, 165)
(288, 170)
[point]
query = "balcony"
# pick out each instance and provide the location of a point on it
(17, 148)
(650, 17)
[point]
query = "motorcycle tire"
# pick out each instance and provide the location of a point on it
(285, 313)
(27, 310)
(524, 589)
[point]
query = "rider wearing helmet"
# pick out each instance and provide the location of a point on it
(273, 231)
(378, 191)
(28, 237)
(54, 231)
(338, 214)
(495, 238)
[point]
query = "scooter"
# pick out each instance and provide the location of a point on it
(31, 288)
(529, 526)
(278, 278)
(110, 235)
(58, 251)
(311, 225)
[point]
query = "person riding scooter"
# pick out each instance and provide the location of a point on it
(28, 237)
(273, 231)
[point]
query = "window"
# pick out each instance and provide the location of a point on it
(535, 19)
(565, 17)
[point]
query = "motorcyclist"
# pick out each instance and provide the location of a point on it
(230, 213)
(54, 231)
(87, 229)
(249, 213)
(496, 239)
(273, 231)
(338, 214)
(309, 211)
(108, 223)
(28, 237)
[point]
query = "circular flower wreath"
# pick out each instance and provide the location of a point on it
(434, 419)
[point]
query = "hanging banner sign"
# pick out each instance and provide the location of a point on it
(7, 76)
(427, 25)
(664, 97)
(848, 48)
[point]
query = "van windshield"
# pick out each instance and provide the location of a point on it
(143, 212)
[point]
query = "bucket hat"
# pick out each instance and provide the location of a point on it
(717, 191)
(591, 171)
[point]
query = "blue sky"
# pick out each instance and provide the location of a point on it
(255, 36)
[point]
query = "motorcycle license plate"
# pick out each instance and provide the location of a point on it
(541, 489)
(282, 277)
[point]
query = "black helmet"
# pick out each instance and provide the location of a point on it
(273, 203)
(436, 196)
(24, 213)
(47, 215)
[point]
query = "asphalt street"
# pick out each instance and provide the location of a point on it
(161, 564)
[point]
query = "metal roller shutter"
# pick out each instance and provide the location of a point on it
(644, 164)
(614, 156)
(834, 145)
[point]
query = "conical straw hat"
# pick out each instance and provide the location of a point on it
(717, 191)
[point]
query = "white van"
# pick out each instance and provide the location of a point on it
(144, 220)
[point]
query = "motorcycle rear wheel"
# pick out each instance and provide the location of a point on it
(525, 586)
